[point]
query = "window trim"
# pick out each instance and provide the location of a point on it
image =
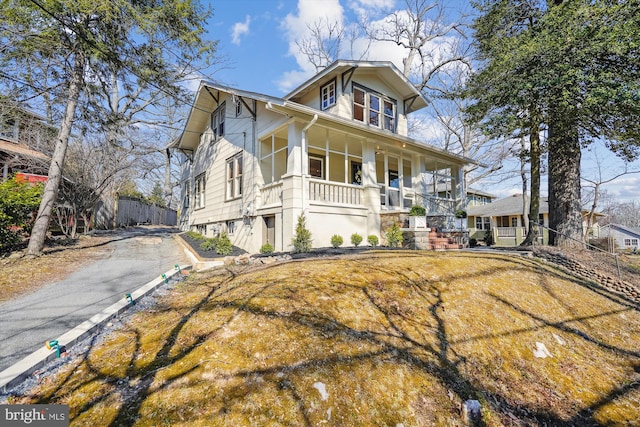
(485, 223)
(233, 180)
(380, 113)
(321, 160)
(218, 117)
(199, 191)
(327, 86)
(238, 107)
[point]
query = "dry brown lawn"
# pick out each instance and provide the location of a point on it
(381, 338)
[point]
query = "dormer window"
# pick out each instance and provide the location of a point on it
(374, 109)
(328, 95)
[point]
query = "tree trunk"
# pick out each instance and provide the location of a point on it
(592, 212)
(565, 218)
(50, 193)
(534, 203)
(168, 188)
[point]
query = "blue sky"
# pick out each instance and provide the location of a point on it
(257, 40)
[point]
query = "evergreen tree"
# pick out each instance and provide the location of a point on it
(572, 67)
(78, 46)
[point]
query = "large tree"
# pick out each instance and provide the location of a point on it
(572, 67)
(77, 46)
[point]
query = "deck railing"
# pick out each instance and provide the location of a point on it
(335, 193)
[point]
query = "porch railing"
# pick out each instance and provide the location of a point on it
(510, 231)
(335, 193)
(271, 194)
(436, 205)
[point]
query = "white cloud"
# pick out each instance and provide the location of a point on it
(240, 29)
(296, 28)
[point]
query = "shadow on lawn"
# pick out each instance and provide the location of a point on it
(423, 344)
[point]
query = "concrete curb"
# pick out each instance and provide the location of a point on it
(21, 370)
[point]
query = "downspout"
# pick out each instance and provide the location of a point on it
(305, 165)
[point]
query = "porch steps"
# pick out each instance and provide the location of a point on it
(439, 241)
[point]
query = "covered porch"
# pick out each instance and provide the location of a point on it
(347, 179)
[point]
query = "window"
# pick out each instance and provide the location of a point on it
(187, 194)
(328, 95)
(631, 242)
(217, 121)
(483, 223)
(199, 191)
(238, 107)
(316, 167)
(234, 177)
(514, 221)
(374, 109)
(389, 117)
(356, 173)
(231, 227)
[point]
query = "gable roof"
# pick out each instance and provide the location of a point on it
(385, 70)
(511, 205)
(622, 229)
(200, 113)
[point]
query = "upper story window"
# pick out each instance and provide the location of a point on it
(217, 121)
(374, 109)
(234, 177)
(328, 95)
(238, 107)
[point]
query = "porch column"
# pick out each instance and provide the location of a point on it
(371, 189)
(292, 185)
(460, 191)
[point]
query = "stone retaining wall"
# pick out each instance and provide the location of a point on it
(612, 283)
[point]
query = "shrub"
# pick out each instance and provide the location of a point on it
(336, 241)
(473, 242)
(488, 238)
(356, 239)
(394, 236)
(18, 203)
(417, 210)
(302, 240)
(461, 213)
(195, 236)
(373, 240)
(267, 248)
(224, 246)
(209, 244)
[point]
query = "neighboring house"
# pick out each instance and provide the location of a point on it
(477, 197)
(23, 136)
(625, 238)
(504, 219)
(336, 148)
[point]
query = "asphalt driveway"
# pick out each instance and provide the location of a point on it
(134, 257)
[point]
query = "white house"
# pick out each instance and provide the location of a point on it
(504, 218)
(336, 148)
(625, 238)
